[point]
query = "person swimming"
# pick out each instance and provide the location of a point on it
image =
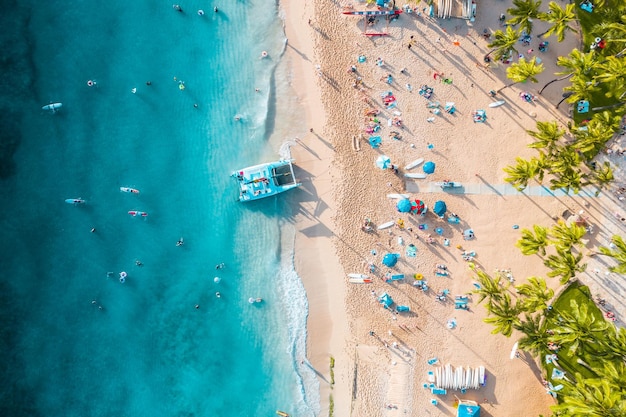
(220, 266)
(180, 242)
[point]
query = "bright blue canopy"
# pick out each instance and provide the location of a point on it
(390, 259)
(404, 205)
(385, 300)
(383, 162)
(440, 208)
(468, 410)
(429, 167)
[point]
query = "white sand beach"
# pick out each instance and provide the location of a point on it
(381, 357)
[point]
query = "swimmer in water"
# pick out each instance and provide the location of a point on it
(180, 242)
(218, 295)
(220, 266)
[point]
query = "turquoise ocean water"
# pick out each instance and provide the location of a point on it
(148, 351)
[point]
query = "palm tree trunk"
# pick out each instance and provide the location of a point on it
(506, 86)
(621, 103)
(556, 79)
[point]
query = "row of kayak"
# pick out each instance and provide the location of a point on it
(134, 213)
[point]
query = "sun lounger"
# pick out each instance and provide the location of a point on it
(397, 277)
(441, 274)
(459, 298)
(461, 306)
(439, 391)
(433, 361)
(401, 309)
(431, 376)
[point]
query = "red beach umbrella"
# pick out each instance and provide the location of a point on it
(418, 207)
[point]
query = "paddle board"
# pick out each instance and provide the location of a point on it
(357, 275)
(397, 196)
(414, 164)
(386, 225)
(415, 175)
(135, 213)
(52, 106)
(74, 201)
(129, 190)
(360, 280)
(497, 103)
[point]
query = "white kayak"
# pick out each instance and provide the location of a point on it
(52, 106)
(397, 196)
(360, 280)
(415, 175)
(129, 190)
(386, 225)
(414, 164)
(497, 103)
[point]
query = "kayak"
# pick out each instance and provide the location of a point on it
(129, 190)
(52, 106)
(74, 201)
(135, 213)
(497, 103)
(386, 225)
(414, 164)
(360, 280)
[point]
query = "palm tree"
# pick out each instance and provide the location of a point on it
(565, 167)
(579, 329)
(581, 89)
(520, 174)
(535, 339)
(615, 343)
(591, 398)
(617, 252)
(594, 137)
(503, 43)
(560, 20)
(565, 236)
(532, 243)
(505, 315)
(564, 265)
(524, 12)
(576, 63)
(548, 135)
(604, 176)
(614, 372)
(536, 294)
(491, 288)
(523, 71)
(613, 71)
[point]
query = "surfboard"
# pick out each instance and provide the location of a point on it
(360, 280)
(497, 103)
(397, 196)
(52, 106)
(355, 275)
(414, 164)
(386, 225)
(415, 175)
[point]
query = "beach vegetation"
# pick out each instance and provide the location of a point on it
(331, 405)
(603, 176)
(578, 329)
(489, 288)
(522, 71)
(565, 265)
(503, 315)
(503, 44)
(520, 174)
(534, 339)
(560, 19)
(533, 241)
(547, 137)
(565, 236)
(617, 251)
(332, 371)
(535, 295)
(524, 13)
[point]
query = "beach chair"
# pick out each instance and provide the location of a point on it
(431, 376)
(411, 251)
(453, 219)
(442, 273)
(402, 309)
(433, 361)
(460, 306)
(397, 277)
(439, 391)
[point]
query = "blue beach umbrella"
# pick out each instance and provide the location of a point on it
(429, 167)
(383, 162)
(440, 208)
(404, 205)
(390, 259)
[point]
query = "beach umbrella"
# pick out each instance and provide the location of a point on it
(418, 207)
(390, 259)
(404, 205)
(440, 208)
(383, 162)
(429, 167)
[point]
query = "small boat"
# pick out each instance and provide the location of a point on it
(360, 280)
(386, 225)
(397, 196)
(449, 184)
(265, 180)
(497, 103)
(282, 413)
(418, 175)
(414, 164)
(136, 213)
(129, 190)
(74, 201)
(52, 107)
(371, 12)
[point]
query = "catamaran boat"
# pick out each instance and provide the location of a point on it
(265, 180)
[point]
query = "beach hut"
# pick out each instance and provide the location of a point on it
(468, 409)
(404, 205)
(429, 167)
(440, 208)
